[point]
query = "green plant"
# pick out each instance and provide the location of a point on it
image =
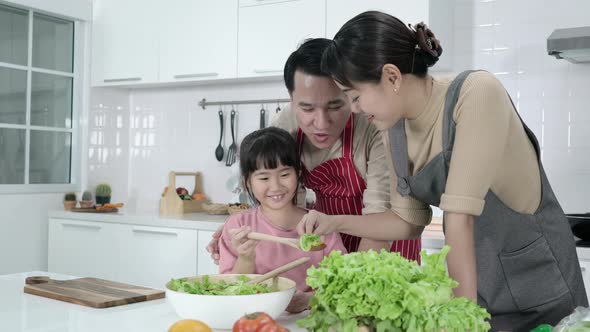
(87, 196)
(70, 197)
(103, 190)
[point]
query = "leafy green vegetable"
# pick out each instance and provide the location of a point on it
(207, 287)
(307, 241)
(386, 292)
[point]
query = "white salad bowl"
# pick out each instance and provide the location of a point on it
(222, 311)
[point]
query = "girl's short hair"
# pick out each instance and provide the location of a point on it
(267, 148)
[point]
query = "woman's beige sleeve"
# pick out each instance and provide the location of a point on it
(482, 118)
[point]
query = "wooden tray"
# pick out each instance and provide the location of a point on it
(90, 292)
(172, 205)
(94, 210)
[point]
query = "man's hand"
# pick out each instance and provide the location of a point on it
(213, 246)
(299, 302)
(317, 223)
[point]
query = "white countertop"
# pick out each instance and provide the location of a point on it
(20, 312)
(201, 221)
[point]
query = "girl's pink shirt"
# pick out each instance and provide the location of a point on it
(270, 255)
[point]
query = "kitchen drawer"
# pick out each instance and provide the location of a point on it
(205, 264)
(585, 266)
(82, 248)
(151, 256)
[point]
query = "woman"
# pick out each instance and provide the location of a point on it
(458, 144)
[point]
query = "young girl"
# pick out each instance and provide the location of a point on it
(271, 171)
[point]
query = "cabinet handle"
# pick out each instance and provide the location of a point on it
(196, 75)
(90, 227)
(267, 71)
(127, 79)
(148, 231)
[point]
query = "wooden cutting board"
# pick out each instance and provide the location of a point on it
(90, 292)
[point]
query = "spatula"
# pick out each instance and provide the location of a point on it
(279, 270)
(284, 240)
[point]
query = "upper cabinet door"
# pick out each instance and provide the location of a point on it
(124, 42)
(199, 40)
(271, 30)
(340, 11)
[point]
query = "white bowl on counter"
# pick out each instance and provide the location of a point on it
(222, 311)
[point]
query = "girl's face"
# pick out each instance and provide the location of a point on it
(379, 101)
(274, 188)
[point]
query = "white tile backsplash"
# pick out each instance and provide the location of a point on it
(138, 136)
(166, 130)
(551, 95)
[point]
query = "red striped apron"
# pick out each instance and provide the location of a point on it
(339, 190)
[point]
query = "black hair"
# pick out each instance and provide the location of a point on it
(308, 59)
(267, 148)
(372, 39)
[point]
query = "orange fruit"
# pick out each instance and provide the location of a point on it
(189, 325)
(199, 196)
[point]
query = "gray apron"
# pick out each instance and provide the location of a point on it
(527, 267)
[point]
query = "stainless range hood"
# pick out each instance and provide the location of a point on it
(572, 44)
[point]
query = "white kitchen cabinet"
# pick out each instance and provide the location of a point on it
(141, 255)
(198, 40)
(340, 11)
(205, 263)
(125, 42)
(151, 256)
(585, 266)
(83, 248)
(268, 33)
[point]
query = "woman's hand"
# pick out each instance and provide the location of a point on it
(299, 302)
(317, 223)
(245, 247)
(213, 246)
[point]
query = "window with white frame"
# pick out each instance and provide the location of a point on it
(37, 76)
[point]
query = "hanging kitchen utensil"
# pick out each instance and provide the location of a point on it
(219, 149)
(233, 148)
(278, 108)
(262, 117)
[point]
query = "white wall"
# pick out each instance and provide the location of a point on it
(23, 237)
(168, 131)
(508, 38)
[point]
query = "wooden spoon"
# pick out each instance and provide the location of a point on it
(279, 270)
(284, 240)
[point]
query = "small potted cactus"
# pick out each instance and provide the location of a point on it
(69, 201)
(103, 194)
(87, 201)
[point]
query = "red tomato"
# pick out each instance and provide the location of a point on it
(252, 322)
(272, 328)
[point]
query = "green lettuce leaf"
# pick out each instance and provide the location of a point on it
(307, 241)
(207, 287)
(387, 292)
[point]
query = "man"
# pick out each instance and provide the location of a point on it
(343, 155)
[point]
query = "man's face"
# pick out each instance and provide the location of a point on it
(320, 107)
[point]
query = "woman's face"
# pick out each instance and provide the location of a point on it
(378, 101)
